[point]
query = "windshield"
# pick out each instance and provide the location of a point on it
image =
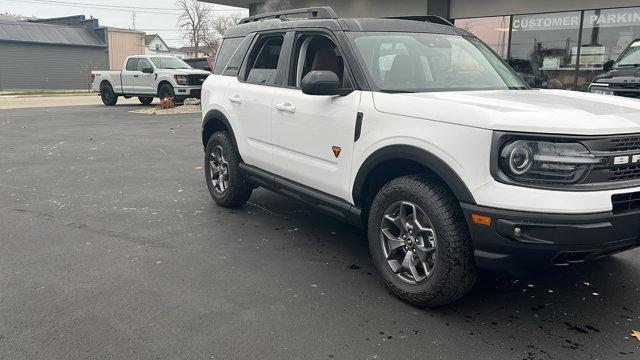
(631, 56)
(417, 62)
(169, 63)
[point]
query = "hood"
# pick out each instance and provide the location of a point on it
(623, 75)
(187, 71)
(539, 111)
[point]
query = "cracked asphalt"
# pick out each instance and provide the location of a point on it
(111, 248)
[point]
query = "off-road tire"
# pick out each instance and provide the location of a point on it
(454, 272)
(107, 95)
(238, 191)
(145, 100)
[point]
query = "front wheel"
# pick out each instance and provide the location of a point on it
(420, 242)
(225, 182)
(166, 91)
(107, 95)
(145, 100)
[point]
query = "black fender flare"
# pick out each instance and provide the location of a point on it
(415, 154)
(218, 120)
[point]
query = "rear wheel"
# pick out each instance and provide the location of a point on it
(145, 100)
(225, 182)
(107, 95)
(420, 242)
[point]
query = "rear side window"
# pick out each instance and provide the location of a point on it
(263, 62)
(132, 64)
(227, 49)
(233, 67)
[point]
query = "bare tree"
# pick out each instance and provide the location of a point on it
(218, 27)
(194, 21)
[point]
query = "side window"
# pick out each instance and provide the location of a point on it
(132, 64)
(143, 63)
(233, 67)
(263, 62)
(227, 49)
(313, 53)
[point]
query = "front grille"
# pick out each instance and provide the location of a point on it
(197, 79)
(625, 173)
(610, 147)
(626, 143)
(625, 202)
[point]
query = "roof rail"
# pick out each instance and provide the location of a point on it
(322, 12)
(425, 18)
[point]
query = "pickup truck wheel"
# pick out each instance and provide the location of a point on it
(145, 100)
(225, 182)
(420, 242)
(165, 91)
(107, 95)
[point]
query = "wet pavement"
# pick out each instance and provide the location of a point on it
(112, 248)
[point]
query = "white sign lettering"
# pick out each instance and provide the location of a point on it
(546, 22)
(612, 18)
(566, 21)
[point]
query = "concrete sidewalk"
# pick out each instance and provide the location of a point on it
(24, 101)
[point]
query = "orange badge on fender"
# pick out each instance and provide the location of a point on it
(336, 150)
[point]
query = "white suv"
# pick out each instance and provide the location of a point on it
(419, 133)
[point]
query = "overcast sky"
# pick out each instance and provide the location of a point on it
(152, 16)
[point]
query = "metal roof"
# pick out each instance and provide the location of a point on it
(29, 32)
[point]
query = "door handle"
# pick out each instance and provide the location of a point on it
(236, 99)
(286, 107)
(136, 75)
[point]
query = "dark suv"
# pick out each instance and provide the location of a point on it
(621, 77)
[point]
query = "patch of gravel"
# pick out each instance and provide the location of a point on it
(184, 109)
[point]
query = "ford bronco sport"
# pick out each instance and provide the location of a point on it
(419, 133)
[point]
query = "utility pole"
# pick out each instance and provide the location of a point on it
(133, 20)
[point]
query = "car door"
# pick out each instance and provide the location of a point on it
(144, 82)
(249, 98)
(128, 76)
(313, 136)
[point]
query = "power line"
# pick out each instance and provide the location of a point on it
(89, 7)
(148, 10)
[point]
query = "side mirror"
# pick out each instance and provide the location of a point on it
(147, 70)
(321, 83)
(207, 68)
(608, 65)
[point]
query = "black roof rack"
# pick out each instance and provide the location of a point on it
(322, 12)
(425, 18)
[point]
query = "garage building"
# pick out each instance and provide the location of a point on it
(44, 56)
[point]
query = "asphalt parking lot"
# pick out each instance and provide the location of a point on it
(111, 248)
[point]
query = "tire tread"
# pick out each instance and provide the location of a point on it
(456, 253)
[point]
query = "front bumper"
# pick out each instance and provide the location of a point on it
(188, 91)
(517, 242)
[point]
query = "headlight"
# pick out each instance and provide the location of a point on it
(182, 80)
(546, 162)
(603, 89)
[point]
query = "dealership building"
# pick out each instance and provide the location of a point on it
(553, 44)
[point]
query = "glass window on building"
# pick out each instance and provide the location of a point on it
(494, 31)
(544, 49)
(605, 35)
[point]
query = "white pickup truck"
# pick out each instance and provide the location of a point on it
(148, 77)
